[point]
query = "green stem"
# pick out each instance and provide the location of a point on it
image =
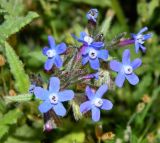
(3, 80)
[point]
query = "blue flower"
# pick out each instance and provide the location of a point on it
(95, 102)
(53, 53)
(125, 69)
(91, 50)
(92, 15)
(52, 98)
(140, 39)
(92, 55)
(88, 40)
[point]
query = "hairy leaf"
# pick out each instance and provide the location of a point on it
(14, 24)
(18, 98)
(21, 78)
(11, 117)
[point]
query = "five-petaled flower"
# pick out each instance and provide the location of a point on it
(139, 39)
(95, 102)
(92, 55)
(125, 69)
(91, 50)
(53, 53)
(52, 98)
(92, 14)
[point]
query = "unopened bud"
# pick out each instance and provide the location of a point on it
(151, 138)
(146, 99)
(2, 60)
(12, 92)
(108, 136)
(140, 107)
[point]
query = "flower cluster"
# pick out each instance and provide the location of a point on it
(94, 51)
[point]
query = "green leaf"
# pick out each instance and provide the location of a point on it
(12, 7)
(143, 86)
(3, 130)
(11, 117)
(14, 24)
(120, 14)
(101, 3)
(107, 22)
(72, 137)
(21, 78)
(18, 98)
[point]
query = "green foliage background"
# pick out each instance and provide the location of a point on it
(24, 26)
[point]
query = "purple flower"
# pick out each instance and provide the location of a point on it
(92, 55)
(140, 39)
(92, 75)
(53, 53)
(95, 102)
(52, 98)
(92, 15)
(125, 69)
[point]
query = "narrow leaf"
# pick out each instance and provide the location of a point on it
(21, 78)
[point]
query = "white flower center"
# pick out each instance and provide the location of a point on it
(98, 102)
(51, 53)
(88, 39)
(128, 69)
(53, 98)
(140, 39)
(92, 53)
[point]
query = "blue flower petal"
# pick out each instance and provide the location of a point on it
(136, 63)
(45, 106)
(147, 36)
(54, 84)
(61, 48)
(142, 30)
(102, 89)
(51, 42)
(103, 54)
(59, 109)
(58, 61)
(142, 48)
(97, 45)
(126, 57)
(86, 106)
(133, 35)
(81, 39)
(95, 114)
(107, 105)
(115, 65)
(132, 78)
(137, 45)
(85, 59)
(41, 93)
(82, 35)
(89, 93)
(85, 50)
(65, 95)
(120, 79)
(44, 50)
(94, 63)
(48, 64)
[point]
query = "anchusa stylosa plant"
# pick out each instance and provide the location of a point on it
(68, 65)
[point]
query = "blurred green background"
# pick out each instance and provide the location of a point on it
(135, 117)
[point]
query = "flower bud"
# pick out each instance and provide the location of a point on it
(2, 60)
